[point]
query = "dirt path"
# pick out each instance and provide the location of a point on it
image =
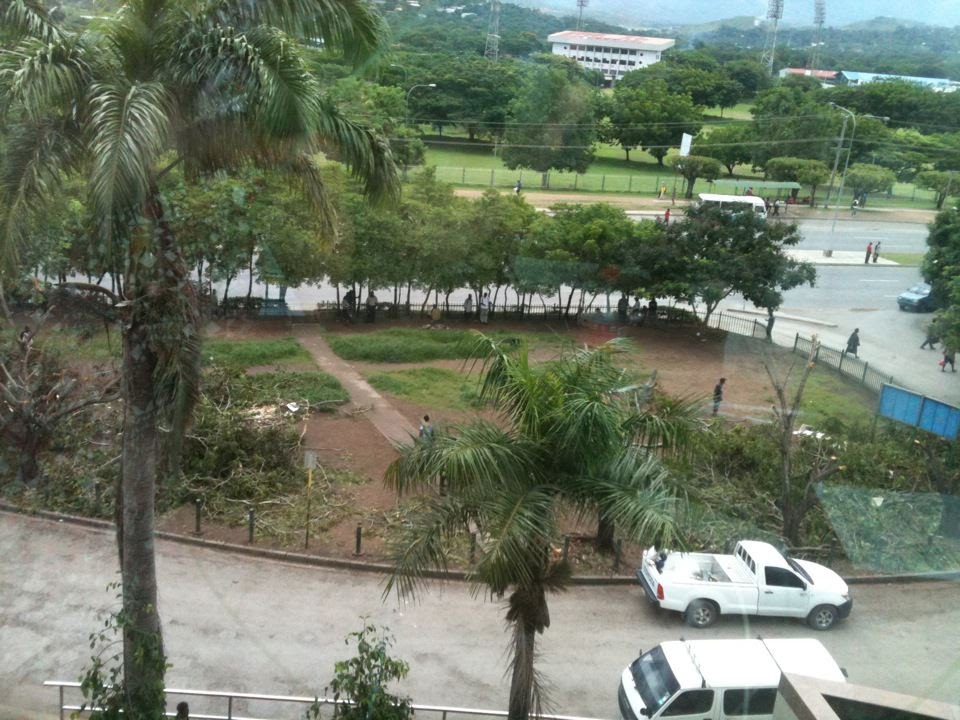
(388, 422)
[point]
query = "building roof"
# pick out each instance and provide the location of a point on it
(819, 74)
(867, 77)
(611, 40)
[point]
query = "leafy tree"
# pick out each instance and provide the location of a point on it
(941, 267)
(726, 252)
(553, 122)
(361, 686)
(793, 115)
(942, 183)
(864, 178)
(811, 173)
(563, 448)
(165, 84)
(693, 167)
(730, 144)
(651, 117)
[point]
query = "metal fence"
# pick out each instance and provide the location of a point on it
(218, 705)
(843, 362)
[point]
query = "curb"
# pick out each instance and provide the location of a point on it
(357, 565)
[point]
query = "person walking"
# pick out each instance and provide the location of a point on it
(485, 308)
(426, 429)
(623, 306)
(718, 395)
(933, 337)
(468, 306)
(869, 253)
(876, 251)
(663, 191)
(371, 307)
(517, 188)
(666, 217)
(853, 206)
(949, 358)
(853, 342)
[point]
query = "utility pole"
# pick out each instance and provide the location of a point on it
(819, 18)
(581, 4)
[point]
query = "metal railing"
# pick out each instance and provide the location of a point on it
(844, 363)
(220, 705)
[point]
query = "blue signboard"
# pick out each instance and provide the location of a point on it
(919, 411)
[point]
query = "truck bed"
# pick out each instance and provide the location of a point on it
(701, 567)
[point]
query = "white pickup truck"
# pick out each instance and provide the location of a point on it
(755, 580)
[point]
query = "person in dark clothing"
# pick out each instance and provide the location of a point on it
(949, 358)
(623, 305)
(853, 342)
(371, 307)
(652, 310)
(183, 711)
(718, 395)
(933, 337)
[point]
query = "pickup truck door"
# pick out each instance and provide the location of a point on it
(690, 705)
(783, 593)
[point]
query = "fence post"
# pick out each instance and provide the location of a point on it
(463, 175)
(603, 182)
(251, 520)
(491, 177)
(630, 183)
(576, 176)
(196, 518)
(863, 376)
(356, 550)
(840, 364)
(566, 547)
(796, 339)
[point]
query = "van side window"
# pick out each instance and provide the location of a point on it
(778, 577)
(691, 702)
(749, 702)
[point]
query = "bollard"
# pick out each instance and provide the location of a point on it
(97, 497)
(566, 548)
(196, 516)
(356, 550)
(251, 518)
(617, 555)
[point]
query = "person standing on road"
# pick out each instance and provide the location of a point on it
(949, 358)
(869, 253)
(718, 395)
(853, 342)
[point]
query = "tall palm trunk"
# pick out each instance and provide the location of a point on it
(522, 679)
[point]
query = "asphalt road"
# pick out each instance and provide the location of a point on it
(854, 234)
(243, 624)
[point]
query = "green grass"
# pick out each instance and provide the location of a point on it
(82, 343)
(242, 354)
(318, 389)
(433, 387)
(908, 259)
(829, 396)
(740, 111)
(402, 345)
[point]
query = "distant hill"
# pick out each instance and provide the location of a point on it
(658, 13)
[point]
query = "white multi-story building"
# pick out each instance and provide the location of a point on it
(613, 55)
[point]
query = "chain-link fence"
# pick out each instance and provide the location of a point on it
(843, 362)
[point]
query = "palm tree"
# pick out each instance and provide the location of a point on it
(201, 84)
(511, 486)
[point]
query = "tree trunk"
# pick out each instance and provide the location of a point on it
(605, 534)
(522, 677)
(142, 642)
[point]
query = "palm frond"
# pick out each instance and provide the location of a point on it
(128, 129)
(350, 26)
(30, 18)
(37, 75)
(422, 547)
(666, 422)
(36, 154)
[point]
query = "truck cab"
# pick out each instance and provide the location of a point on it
(717, 679)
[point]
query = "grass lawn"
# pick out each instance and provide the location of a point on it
(318, 389)
(434, 387)
(907, 259)
(81, 343)
(740, 111)
(403, 345)
(828, 396)
(242, 354)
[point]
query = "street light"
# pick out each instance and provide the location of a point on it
(422, 85)
(846, 162)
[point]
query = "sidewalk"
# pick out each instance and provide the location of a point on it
(837, 257)
(363, 398)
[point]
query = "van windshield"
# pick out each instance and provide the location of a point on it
(654, 680)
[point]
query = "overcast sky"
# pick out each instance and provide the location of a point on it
(839, 12)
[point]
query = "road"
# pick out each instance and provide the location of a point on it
(244, 624)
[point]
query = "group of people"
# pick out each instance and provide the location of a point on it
(349, 302)
(873, 252)
(638, 313)
(949, 354)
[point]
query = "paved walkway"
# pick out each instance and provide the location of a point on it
(363, 398)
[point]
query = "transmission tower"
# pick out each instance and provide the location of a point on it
(819, 18)
(774, 13)
(581, 4)
(492, 49)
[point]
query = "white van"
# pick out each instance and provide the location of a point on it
(735, 203)
(718, 679)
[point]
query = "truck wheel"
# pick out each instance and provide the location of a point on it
(701, 613)
(822, 617)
